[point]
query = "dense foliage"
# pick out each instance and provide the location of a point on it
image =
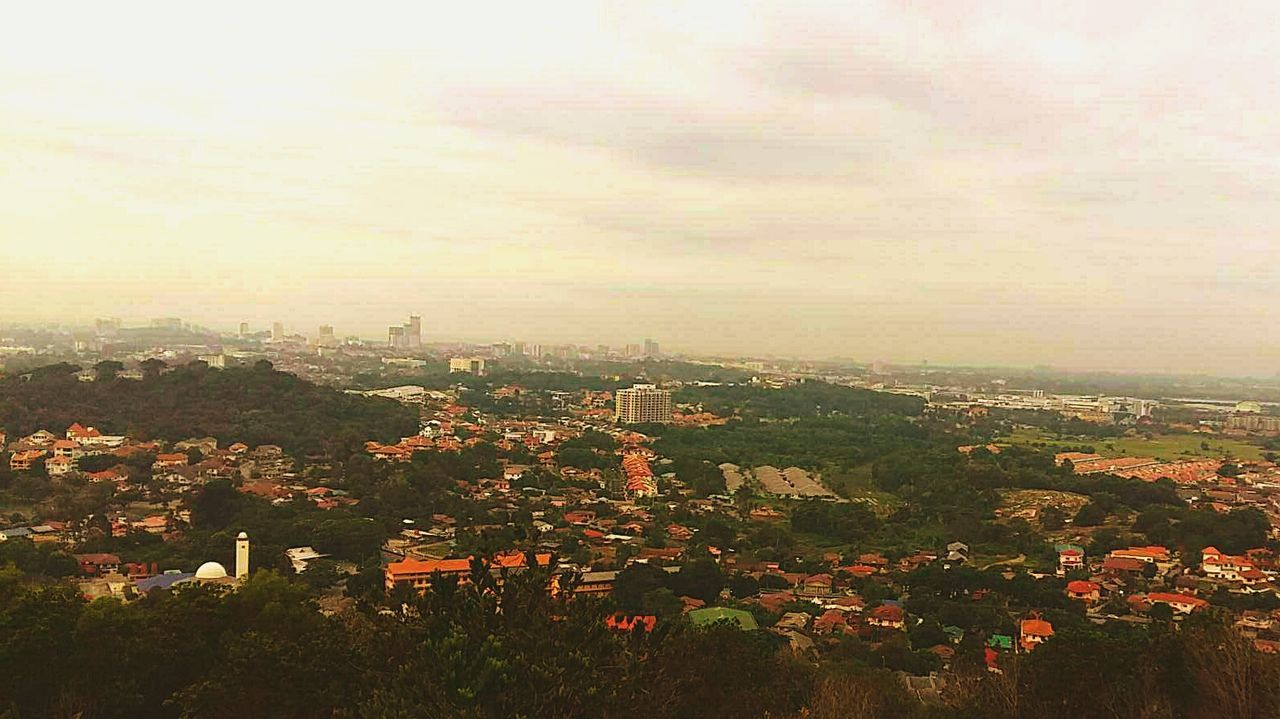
(256, 405)
(806, 399)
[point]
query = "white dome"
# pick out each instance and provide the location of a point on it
(211, 570)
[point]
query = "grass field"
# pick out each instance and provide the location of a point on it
(1162, 446)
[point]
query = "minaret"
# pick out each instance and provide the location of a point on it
(242, 556)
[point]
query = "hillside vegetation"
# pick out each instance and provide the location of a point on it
(255, 405)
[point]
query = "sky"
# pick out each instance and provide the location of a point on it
(1085, 185)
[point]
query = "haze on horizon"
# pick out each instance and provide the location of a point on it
(1088, 185)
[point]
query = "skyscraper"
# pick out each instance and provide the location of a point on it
(413, 331)
(642, 403)
(244, 329)
(326, 338)
(651, 348)
(395, 336)
(277, 332)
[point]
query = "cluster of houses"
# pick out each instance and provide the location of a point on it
(1129, 582)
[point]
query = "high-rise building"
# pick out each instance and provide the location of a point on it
(407, 335)
(326, 338)
(413, 331)
(244, 330)
(642, 403)
(277, 332)
(632, 351)
(651, 348)
(395, 337)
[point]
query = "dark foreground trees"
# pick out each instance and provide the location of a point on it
(488, 649)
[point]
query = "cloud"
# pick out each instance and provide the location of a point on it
(975, 182)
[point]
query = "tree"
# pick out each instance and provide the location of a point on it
(106, 370)
(1090, 515)
(1052, 518)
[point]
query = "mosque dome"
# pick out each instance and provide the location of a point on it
(211, 570)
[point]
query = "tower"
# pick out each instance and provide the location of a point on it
(414, 331)
(242, 555)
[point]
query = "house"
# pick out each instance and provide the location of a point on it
(155, 524)
(1083, 591)
(98, 563)
(830, 622)
(67, 448)
(1123, 566)
(41, 438)
(1032, 632)
(1149, 554)
(173, 459)
(887, 616)
(1219, 565)
(300, 557)
(595, 584)
(679, 532)
(58, 466)
(1180, 603)
(1070, 558)
(24, 460)
(418, 573)
(816, 584)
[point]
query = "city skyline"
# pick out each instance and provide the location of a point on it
(968, 184)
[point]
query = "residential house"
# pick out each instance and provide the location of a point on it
(1032, 632)
(24, 460)
(1180, 603)
(1084, 591)
(887, 616)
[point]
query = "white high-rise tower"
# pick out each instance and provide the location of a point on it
(242, 555)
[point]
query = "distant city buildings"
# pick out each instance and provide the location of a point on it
(469, 365)
(406, 336)
(326, 337)
(277, 332)
(642, 403)
(651, 348)
(244, 330)
(173, 324)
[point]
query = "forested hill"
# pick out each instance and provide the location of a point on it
(807, 399)
(255, 405)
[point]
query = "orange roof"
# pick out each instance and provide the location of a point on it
(1080, 586)
(1036, 628)
(1172, 598)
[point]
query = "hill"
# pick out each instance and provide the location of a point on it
(255, 405)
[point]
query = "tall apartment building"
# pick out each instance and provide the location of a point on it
(413, 331)
(407, 335)
(244, 330)
(642, 403)
(326, 337)
(395, 337)
(277, 332)
(651, 348)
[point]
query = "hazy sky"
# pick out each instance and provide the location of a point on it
(1080, 184)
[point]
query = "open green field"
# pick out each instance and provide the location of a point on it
(1162, 446)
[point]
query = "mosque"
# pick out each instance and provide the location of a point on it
(214, 573)
(207, 573)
